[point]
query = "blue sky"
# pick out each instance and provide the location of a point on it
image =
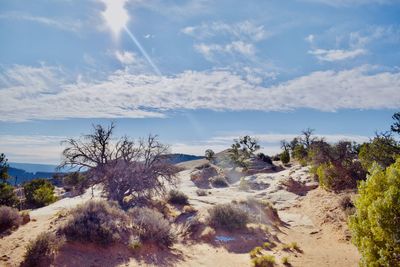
(197, 73)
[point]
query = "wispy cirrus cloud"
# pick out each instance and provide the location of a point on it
(336, 54)
(126, 95)
(243, 30)
(222, 39)
(64, 24)
(209, 50)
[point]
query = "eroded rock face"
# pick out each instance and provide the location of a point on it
(201, 175)
(256, 165)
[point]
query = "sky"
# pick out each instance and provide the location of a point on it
(196, 73)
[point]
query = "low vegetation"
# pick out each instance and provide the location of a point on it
(177, 197)
(39, 193)
(9, 218)
(264, 261)
(375, 225)
(41, 251)
(7, 195)
(152, 227)
(97, 222)
(228, 217)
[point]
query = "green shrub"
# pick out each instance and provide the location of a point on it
(152, 226)
(39, 192)
(9, 218)
(264, 261)
(336, 166)
(383, 149)
(228, 217)
(177, 197)
(219, 181)
(285, 157)
(285, 261)
(97, 222)
(41, 251)
(7, 195)
(375, 225)
(75, 181)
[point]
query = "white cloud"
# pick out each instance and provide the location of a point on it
(336, 54)
(310, 38)
(125, 57)
(208, 50)
(244, 30)
(32, 148)
(40, 93)
(59, 23)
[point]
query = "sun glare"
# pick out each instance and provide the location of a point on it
(115, 15)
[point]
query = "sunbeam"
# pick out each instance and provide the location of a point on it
(116, 18)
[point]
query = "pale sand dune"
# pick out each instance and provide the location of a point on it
(313, 221)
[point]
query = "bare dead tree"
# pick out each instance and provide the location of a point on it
(129, 171)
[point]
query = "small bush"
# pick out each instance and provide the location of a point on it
(285, 157)
(97, 222)
(9, 218)
(219, 181)
(267, 245)
(39, 193)
(152, 226)
(177, 197)
(285, 261)
(41, 251)
(264, 261)
(347, 205)
(375, 225)
(255, 252)
(7, 195)
(201, 192)
(244, 185)
(228, 216)
(264, 158)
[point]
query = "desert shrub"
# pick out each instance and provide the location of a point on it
(97, 222)
(264, 261)
(336, 166)
(210, 155)
(177, 197)
(285, 157)
(9, 218)
(75, 181)
(375, 225)
(228, 216)
(383, 149)
(255, 252)
(347, 205)
(201, 192)
(41, 251)
(219, 181)
(152, 226)
(264, 158)
(7, 195)
(285, 261)
(39, 192)
(244, 184)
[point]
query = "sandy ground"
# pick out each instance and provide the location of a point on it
(312, 219)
